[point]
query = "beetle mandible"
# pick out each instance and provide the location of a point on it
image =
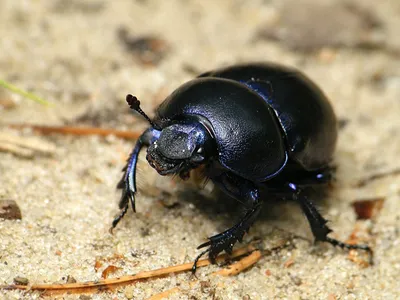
(258, 127)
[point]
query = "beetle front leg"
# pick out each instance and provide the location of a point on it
(318, 223)
(128, 181)
(240, 189)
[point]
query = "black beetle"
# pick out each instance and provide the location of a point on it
(254, 127)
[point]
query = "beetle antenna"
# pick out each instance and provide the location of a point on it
(134, 104)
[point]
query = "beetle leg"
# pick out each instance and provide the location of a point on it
(128, 181)
(318, 223)
(240, 189)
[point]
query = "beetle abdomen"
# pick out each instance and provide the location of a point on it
(249, 138)
(302, 109)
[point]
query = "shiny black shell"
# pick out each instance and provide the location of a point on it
(261, 116)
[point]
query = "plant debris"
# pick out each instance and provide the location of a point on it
(70, 279)
(21, 281)
(109, 270)
(23, 93)
(360, 234)
(80, 131)
(368, 208)
(165, 294)
(289, 263)
(358, 259)
(149, 50)
(107, 284)
(10, 210)
(243, 264)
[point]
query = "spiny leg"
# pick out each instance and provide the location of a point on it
(128, 181)
(240, 189)
(225, 241)
(318, 224)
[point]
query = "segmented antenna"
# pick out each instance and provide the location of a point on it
(134, 104)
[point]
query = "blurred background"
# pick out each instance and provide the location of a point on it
(85, 56)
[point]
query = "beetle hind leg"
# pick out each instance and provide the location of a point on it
(318, 224)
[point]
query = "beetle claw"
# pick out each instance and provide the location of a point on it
(204, 245)
(194, 267)
(221, 242)
(118, 218)
(127, 196)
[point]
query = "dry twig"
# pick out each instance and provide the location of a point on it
(165, 294)
(46, 130)
(243, 264)
(108, 284)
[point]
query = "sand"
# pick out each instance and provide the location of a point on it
(72, 53)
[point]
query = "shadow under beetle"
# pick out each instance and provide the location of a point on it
(254, 127)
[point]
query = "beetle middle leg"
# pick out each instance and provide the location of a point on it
(128, 181)
(239, 189)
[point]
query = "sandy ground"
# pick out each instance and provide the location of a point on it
(79, 55)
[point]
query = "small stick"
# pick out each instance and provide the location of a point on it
(110, 283)
(241, 265)
(231, 270)
(165, 294)
(46, 130)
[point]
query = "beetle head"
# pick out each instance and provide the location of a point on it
(180, 148)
